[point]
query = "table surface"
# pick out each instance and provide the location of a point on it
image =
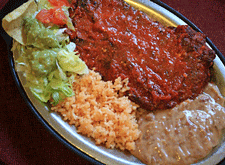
(24, 140)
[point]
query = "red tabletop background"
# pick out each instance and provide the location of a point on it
(24, 140)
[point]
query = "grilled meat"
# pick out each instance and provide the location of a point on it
(164, 65)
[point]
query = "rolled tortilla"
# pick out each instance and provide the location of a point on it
(13, 22)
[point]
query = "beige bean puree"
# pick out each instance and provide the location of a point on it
(184, 134)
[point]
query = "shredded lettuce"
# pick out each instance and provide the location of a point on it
(38, 36)
(71, 62)
(48, 61)
(43, 4)
(49, 72)
(69, 21)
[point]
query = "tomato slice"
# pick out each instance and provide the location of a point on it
(59, 2)
(55, 15)
(44, 16)
(59, 17)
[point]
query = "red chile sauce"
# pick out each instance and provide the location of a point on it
(164, 65)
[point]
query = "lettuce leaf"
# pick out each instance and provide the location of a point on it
(38, 36)
(70, 61)
(49, 72)
(69, 21)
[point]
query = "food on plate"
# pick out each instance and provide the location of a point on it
(136, 66)
(165, 65)
(46, 55)
(100, 111)
(184, 134)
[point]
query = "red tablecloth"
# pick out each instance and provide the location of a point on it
(24, 140)
(2, 3)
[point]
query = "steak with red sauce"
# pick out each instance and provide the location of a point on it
(164, 65)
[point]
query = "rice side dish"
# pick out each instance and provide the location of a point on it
(100, 111)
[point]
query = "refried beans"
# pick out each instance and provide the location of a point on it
(184, 134)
